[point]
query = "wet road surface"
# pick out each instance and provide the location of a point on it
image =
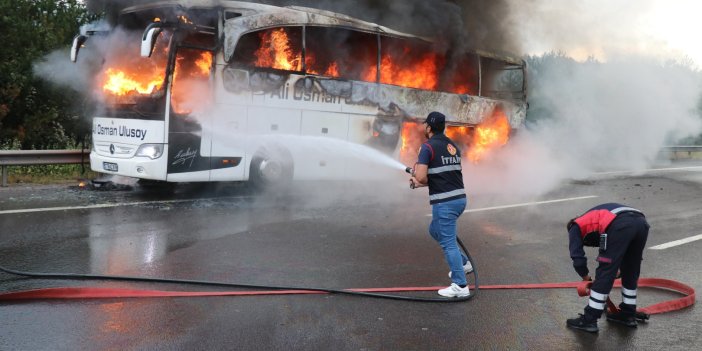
(331, 235)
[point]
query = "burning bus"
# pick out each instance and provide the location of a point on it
(201, 93)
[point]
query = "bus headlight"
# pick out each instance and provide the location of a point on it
(152, 151)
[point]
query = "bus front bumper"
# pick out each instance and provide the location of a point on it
(135, 167)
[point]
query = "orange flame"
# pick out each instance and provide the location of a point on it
(492, 133)
(422, 75)
(121, 83)
(190, 80)
(398, 68)
(460, 135)
(331, 71)
(412, 137)
(275, 52)
(204, 63)
(127, 73)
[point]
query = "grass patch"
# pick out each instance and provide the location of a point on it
(48, 174)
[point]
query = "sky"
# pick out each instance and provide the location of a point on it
(667, 29)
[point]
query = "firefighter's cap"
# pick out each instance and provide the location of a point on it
(435, 119)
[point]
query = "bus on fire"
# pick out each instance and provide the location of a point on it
(208, 92)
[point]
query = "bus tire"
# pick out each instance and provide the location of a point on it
(271, 169)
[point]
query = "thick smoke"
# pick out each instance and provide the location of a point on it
(461, 24)
(617, 115)
(593, 117)
(58, 69)
(612, 112)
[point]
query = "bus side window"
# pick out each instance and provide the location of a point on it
(501, 79)
(341, 53)
(274, 48)
(410, 64)
(460, 76)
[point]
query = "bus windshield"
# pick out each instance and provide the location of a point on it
(129, 83)
(133, 85)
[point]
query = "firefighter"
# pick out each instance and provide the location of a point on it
(439, 167)
(620, 232)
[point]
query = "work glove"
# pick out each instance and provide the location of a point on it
(581, 270)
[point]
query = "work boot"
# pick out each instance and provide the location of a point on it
(467, 268)
(583, 323)
(455, 291)
(623, 318)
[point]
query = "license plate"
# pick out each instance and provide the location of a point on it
(109, 166)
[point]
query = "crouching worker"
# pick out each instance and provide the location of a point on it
(620, 232)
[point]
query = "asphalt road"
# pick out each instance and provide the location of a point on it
(331, 235)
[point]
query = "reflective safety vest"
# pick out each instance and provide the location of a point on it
(599, 218)
(443, 159)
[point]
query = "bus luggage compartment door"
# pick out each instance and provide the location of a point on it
(324, 159)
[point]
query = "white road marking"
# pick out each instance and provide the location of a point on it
(527, 204)
(676, 243)
(691, 168)
(88, 207)
(530, 204)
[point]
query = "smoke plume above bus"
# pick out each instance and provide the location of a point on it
(465, 23)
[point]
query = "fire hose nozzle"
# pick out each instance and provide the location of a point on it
(411, 172)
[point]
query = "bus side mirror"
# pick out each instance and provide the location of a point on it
(78, 42)
(148, 41)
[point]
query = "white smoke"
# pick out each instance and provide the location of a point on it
(57, 68)
(606, 29)
(619, 114)
(598, 117)
(611, 111)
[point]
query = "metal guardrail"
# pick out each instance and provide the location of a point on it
(40, 157)
(684, 148)
(682, 152)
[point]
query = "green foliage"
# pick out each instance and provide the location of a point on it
(47, 174)
(33, 112)
(9, 144)
(542, 70)
(540, 107)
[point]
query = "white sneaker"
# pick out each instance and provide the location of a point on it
(467, 268)
(455, 291)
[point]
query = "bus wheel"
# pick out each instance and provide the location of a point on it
(271, 169)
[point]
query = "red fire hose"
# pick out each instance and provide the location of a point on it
(688, 298)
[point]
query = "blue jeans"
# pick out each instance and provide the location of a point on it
(443, 230)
